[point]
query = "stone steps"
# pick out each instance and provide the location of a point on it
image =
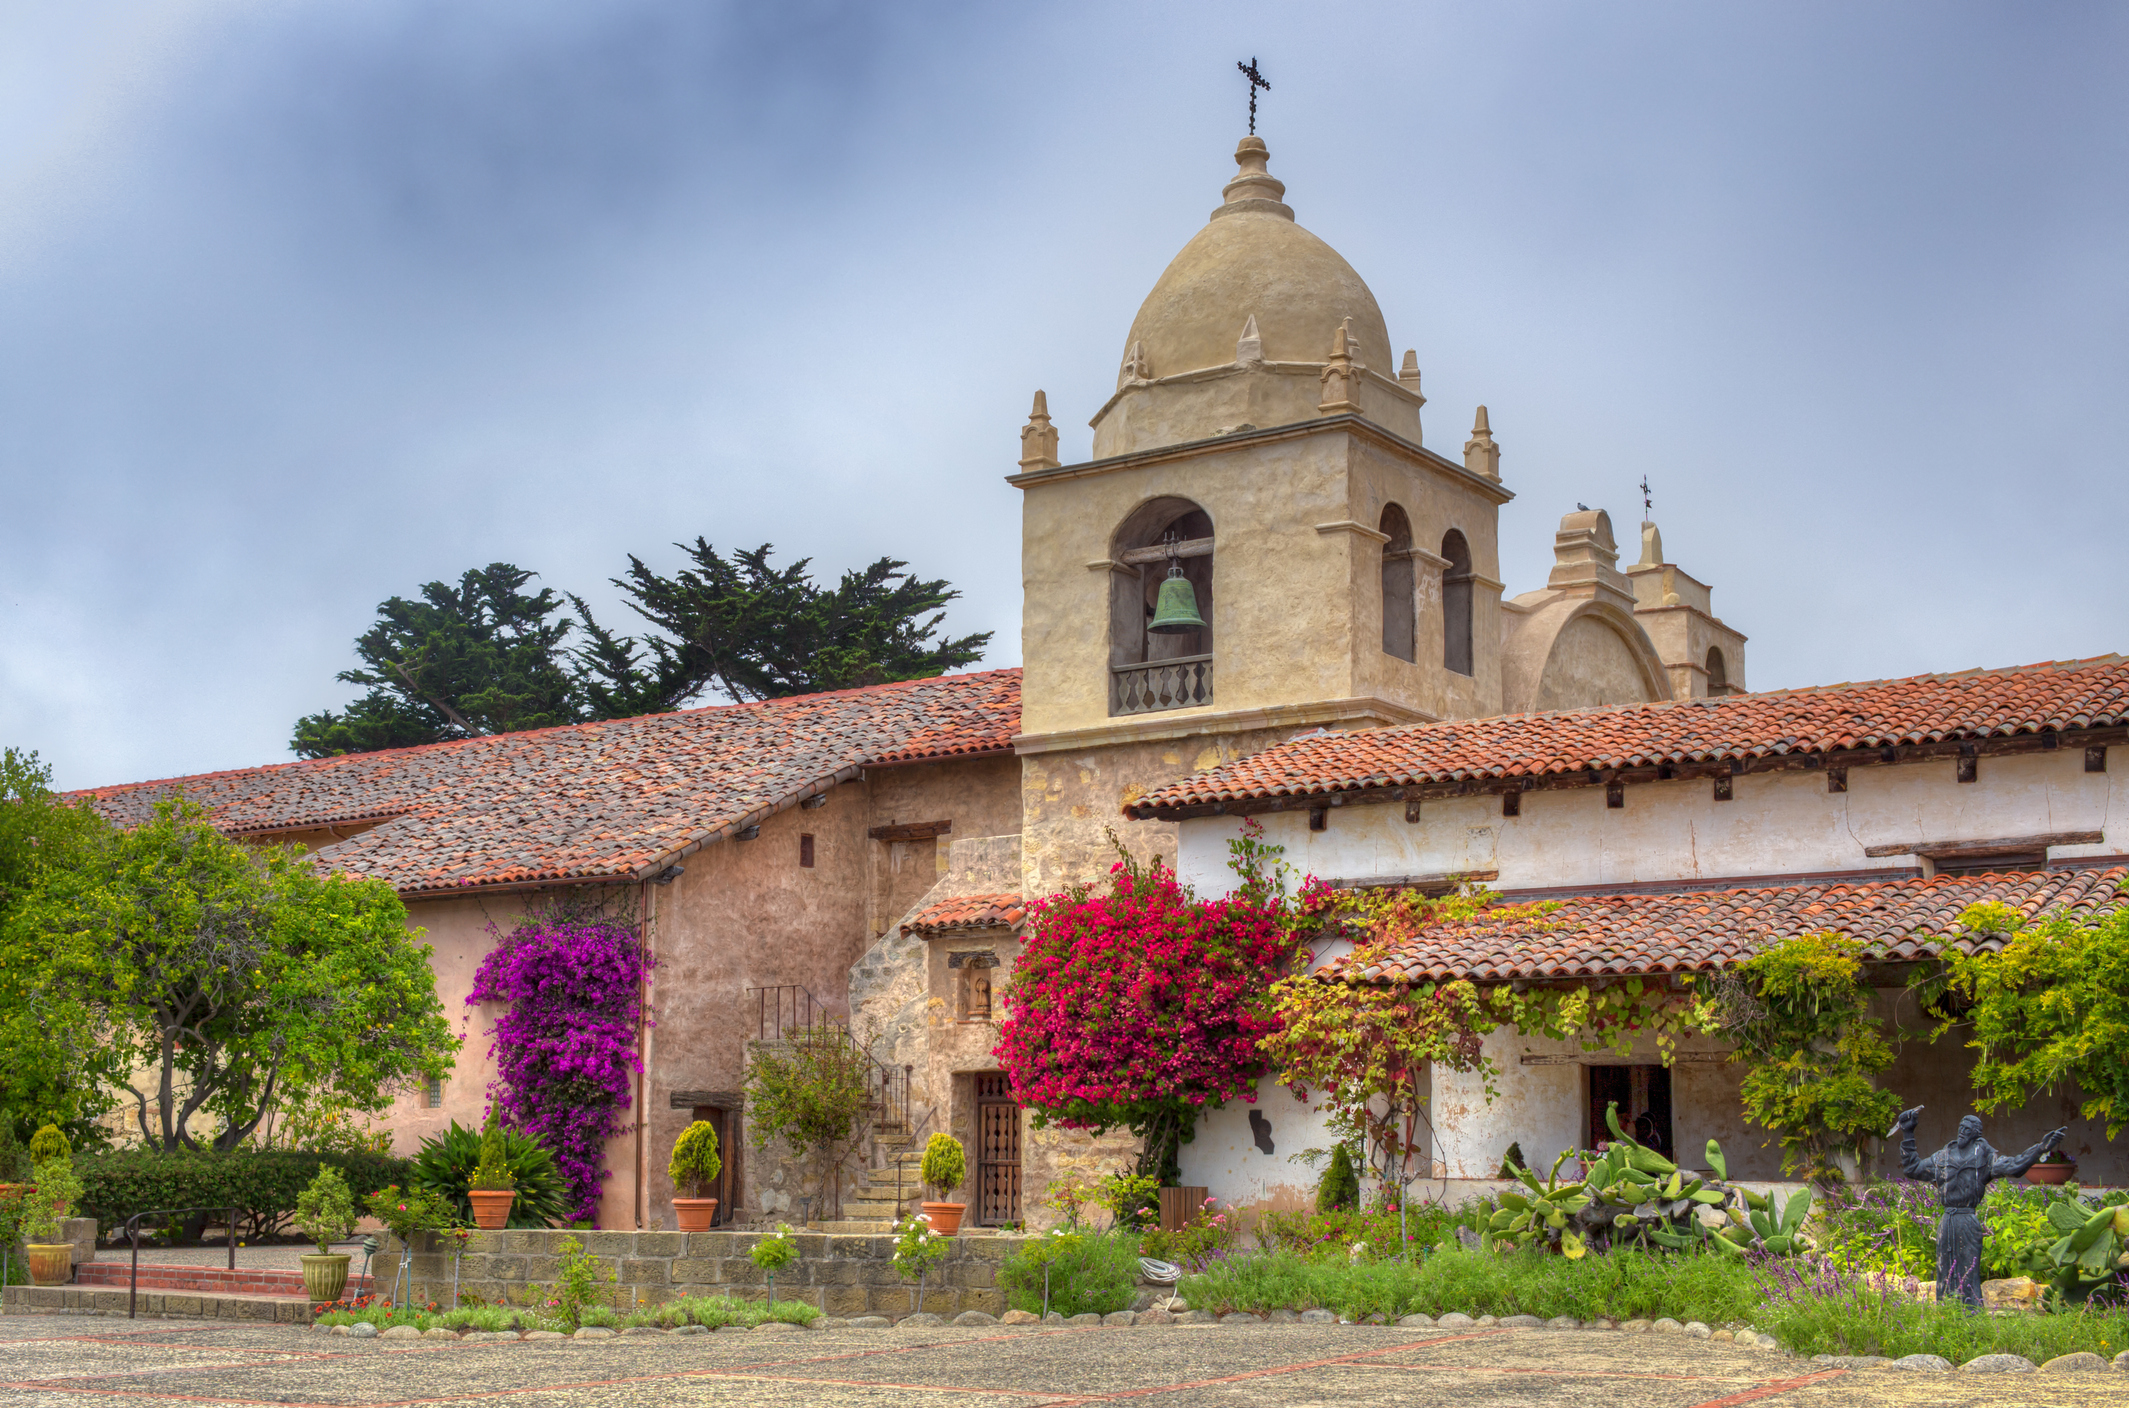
(190, 1305)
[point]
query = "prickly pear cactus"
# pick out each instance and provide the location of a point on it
(1632, 1195)
(2091, 1253)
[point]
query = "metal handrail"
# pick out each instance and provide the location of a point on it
(808, 1013)
(132, 1231)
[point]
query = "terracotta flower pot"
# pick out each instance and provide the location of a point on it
(694, 1214)
(51, 1263)
(945, 1217)
(491, 1207)
(2051, 1173)
(324, 1277)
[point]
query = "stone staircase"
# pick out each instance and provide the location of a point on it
(872, 1207)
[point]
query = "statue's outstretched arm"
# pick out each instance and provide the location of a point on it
(2012, 1165)
(1924, 1170)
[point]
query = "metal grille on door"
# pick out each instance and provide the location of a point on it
(997, 1152)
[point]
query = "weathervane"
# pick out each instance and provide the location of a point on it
(1646, 502)
(1256, 81)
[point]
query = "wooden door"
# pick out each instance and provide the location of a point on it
(997, 1152)
(725, 1188)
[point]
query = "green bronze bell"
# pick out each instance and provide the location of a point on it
(1176, 611)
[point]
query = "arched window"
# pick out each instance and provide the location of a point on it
(1399, 615)
(1718, 674)
(1159, 669)
(1456, 603)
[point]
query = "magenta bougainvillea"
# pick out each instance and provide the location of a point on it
(565, 1052)
(1140, 1006)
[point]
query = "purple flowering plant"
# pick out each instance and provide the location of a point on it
(565, 1051)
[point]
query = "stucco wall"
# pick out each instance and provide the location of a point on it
(459, 933)
(1777, 823)
(1592, 666)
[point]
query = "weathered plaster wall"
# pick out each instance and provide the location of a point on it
(1778, 823)
(1249, 1155)
(1592, 665)
(459, 933)
(1070, 801)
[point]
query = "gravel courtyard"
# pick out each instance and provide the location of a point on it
(84, 1362)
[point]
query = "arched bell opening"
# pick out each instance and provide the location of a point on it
(1400, 612)
(1718, 673)
(1161, 608)
(1457, 579)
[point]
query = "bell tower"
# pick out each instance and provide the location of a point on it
(1261, 545)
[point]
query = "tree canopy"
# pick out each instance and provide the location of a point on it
(233, 978)
(485, 657)
(51, 1067)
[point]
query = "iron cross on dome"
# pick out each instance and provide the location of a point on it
(1256, 81)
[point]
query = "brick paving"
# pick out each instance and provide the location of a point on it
(86, 1362)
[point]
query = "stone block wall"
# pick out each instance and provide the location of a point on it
(843, 1275)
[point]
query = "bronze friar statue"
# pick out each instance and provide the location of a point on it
(1962, 1171)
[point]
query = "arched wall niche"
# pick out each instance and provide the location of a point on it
(1400, 611)
(1457, 580)
(1133, 593)
(1718, 673)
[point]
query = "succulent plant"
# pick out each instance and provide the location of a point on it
(1633, 1195)
(2092, 1252)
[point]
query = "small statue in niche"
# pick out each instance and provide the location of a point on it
(979, 997)
(1962, 1171)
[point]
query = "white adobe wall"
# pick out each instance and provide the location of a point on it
(1777, 823)
(1226, 1158)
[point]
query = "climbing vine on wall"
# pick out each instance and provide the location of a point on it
(565, 1051)
(1798, 1015)
(1607, 1016)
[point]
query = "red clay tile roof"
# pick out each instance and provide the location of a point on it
(1621, 935)
(968, 912)
(1974, 704)
(618, 799)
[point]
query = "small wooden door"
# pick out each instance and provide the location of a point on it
(727, 1183)
(997, 1152)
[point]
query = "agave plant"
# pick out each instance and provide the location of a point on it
(1632, 1194)
(2092, 1252)
(446, 1163)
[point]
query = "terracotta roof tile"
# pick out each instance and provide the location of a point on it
(968, 912)
(1623, 935)
(591, 801)
(1883, 713)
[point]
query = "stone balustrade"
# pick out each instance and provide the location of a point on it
(843, 1275)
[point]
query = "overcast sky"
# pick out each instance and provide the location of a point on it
(303, 304)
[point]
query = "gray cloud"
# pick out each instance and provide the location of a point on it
(301, 306)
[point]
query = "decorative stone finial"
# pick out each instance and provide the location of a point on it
(1651, 545)
(1136, 368)
(1339, 374)
(1249, 348)
(1481, 455)
(1255, 190)
(1038, 438)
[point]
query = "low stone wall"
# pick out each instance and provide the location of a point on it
(843, 1275)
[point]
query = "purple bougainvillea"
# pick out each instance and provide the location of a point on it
(565, 1052)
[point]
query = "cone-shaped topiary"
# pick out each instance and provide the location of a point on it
(492, 1174)
(945, 1165)
(48, 1145)
(1340, 1188)
(695, 1163)
(1512, 1162)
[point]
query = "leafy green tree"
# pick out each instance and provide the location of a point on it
(1798, 1013)
(2052, 1006)
(52, 1068)
(479, 658)
(811, 1093)
(232, 977)
(752, 631)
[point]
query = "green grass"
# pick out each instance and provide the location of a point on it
(1856, 1320)
(712, 1311)
(1708, 1287)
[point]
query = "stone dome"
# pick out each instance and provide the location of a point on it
(1252, 260)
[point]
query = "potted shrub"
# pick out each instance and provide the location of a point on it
(492, 1187)
(57, 1195)
(945, 1168)
(326, 1213)
(2054, 1167)
(694, 1168)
